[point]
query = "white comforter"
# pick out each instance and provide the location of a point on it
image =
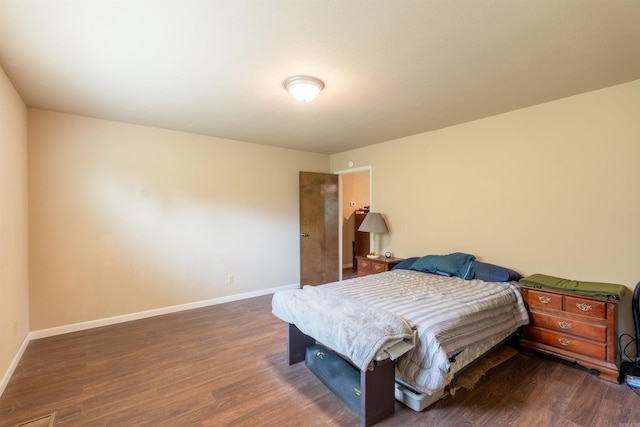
(350, 327)
(451, 315)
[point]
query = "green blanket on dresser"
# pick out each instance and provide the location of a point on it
(605, 291)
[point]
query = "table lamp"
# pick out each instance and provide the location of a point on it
(373, 223)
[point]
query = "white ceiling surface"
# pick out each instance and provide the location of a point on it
(391, 68)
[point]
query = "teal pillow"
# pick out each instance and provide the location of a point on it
(456, 264)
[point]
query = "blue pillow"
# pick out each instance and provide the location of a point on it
(495, 273)
(456, 264)
(405, 264)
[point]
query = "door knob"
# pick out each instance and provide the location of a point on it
(304, 235)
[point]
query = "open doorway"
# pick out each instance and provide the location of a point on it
(355, 199)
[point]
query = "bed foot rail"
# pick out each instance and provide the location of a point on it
(377, 392)
(377, 386)
(297, 344)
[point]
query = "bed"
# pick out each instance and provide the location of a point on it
(411, 329)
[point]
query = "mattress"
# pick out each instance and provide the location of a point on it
(456, 320)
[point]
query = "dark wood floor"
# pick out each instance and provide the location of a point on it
(224, 365)
(349, 273)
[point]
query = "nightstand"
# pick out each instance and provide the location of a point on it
(368, 266)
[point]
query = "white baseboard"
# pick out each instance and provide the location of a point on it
(44, 333)
(59, 330)
(14, 364)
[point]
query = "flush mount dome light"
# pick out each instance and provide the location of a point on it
(303, 88)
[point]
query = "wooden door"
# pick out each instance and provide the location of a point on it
(319, 217)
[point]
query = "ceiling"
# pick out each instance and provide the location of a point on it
(391, 68)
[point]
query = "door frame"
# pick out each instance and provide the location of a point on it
(340, 173)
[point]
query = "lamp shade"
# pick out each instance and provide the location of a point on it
(373, 223)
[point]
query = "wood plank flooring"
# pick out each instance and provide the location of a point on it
(349, 273)
(225, 365)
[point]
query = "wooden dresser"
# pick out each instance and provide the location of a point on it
(368, 266)
(573, 327)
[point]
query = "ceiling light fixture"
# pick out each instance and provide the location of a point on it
(303, 88)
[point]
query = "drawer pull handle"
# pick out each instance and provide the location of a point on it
(584, 307)
(320, 355)
(364, 264)
(377, 267)
(564, 325)
(545, 300)
(565, 342)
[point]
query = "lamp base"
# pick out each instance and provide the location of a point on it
(374, 256)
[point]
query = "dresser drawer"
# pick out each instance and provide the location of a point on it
(586, 307)
(569, 326)
(368, 266)
(365, 267)
(378, 268)
(543, 299)
(567, 342)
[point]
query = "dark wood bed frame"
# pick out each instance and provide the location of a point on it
(377, 386)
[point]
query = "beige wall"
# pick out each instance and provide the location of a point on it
(127, 218)
(14, 286)
(550, 189)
